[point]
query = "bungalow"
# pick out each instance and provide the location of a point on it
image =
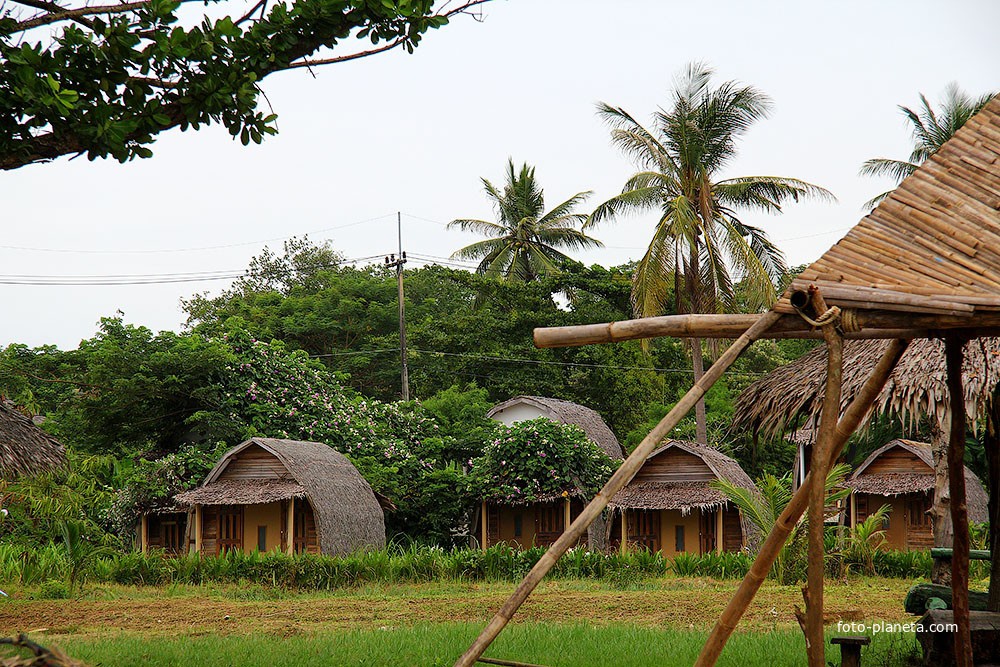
(669, 505)
(901, 474)
(542, 522)
(267, 494)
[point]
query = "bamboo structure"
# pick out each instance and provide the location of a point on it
(924, 264)
(959, 509)
(855, 413)
(821, 462)
(613, 486)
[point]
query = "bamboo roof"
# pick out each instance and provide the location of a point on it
(933, 245)
(793, 393)
(25, 449)
(919, 480)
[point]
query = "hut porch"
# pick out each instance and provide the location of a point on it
(256, 527)
(673, 531)
(527, 525)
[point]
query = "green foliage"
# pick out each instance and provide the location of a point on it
(79, 552)
(539, 458)
(108, 85)
(763, 508)
(866, 539)
(53, 590)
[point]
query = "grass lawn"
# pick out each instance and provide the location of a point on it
(566, 622)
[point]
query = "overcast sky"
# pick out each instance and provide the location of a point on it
(414, 133)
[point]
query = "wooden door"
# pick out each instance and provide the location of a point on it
(919, 533)
(706, 528)
(230, 528)
(644, 529)
(548, 522)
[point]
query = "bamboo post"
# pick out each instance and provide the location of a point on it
(820, 464)
(566, 514)
(198, 519)
(144, 533)
(959, 511)
(775, 540)
(718, 529)
(484, 545)
(621, 477)
(624, 544)
(290, 527)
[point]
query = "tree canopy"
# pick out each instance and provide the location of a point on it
(105, 79)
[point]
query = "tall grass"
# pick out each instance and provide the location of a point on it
(394, 564)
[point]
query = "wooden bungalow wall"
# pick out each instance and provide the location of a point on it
(674, 465)
(306, 538)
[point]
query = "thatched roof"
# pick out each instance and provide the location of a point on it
(242, 492)
(933, 245)
(26, 449)
(566, 412)
(793, 393)
(348, 516)
(919, 481)
(688, 495)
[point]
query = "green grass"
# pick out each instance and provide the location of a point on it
(439, 644)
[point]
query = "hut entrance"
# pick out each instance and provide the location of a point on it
(304, 528)
(230, 528)
(707, 531)
(166, 531)
(549, 524)
(644, 529)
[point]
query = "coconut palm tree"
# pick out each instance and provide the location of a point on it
(701, 249)
(524, 242)
(931, 129)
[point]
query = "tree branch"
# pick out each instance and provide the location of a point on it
(57, 13)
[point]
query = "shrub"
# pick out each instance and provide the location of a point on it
(53, 589)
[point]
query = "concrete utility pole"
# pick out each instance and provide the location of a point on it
(392, 260)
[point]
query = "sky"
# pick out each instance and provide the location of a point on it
(360, 141)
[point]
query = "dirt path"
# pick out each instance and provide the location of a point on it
(677, 603)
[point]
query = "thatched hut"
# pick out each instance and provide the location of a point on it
(298, 497)
(523, 408)
(542, 521)
(25, 449)
(900, 474)
(670, 506)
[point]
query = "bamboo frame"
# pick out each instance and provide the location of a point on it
(959, 510)
(855, 413)
(290, 527)
(144, 533)
(821, 462)
(880, 324)
(197, 529)
(484, 545)
(624, 531)
(718, 529)
(621, 477)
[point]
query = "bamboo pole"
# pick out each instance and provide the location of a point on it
(874, 324)
(621, 477)
(820, 464)
(959, 510)
(483, 528)
(856, 411)
(624, 543)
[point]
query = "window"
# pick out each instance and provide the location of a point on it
(261, 538)
(517, 525)
(678, 538)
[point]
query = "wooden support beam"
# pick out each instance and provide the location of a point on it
(144, 533)
(872, 323)
(718, 529)
(566, 514)
(855, 413)
(959, 510)
(820, 465)
(624, 544)
(484, 543)
(618, 480)
(198, 518)
(290, 527)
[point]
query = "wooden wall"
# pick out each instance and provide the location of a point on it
(732, 530)
(254, 462)
(674, 465)
(167, 531)
(898, 460)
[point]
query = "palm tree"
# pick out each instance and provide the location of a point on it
(931, 129)
(700, 247)
(524, 240)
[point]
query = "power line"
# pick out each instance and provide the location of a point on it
(140, 251)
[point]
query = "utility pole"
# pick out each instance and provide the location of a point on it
(398, 261)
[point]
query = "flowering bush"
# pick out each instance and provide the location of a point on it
(538, 458)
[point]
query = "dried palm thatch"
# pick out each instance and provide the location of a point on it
(567, 412)
(26, 449)
(793, 393)
(348, 515)
(920, 480)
